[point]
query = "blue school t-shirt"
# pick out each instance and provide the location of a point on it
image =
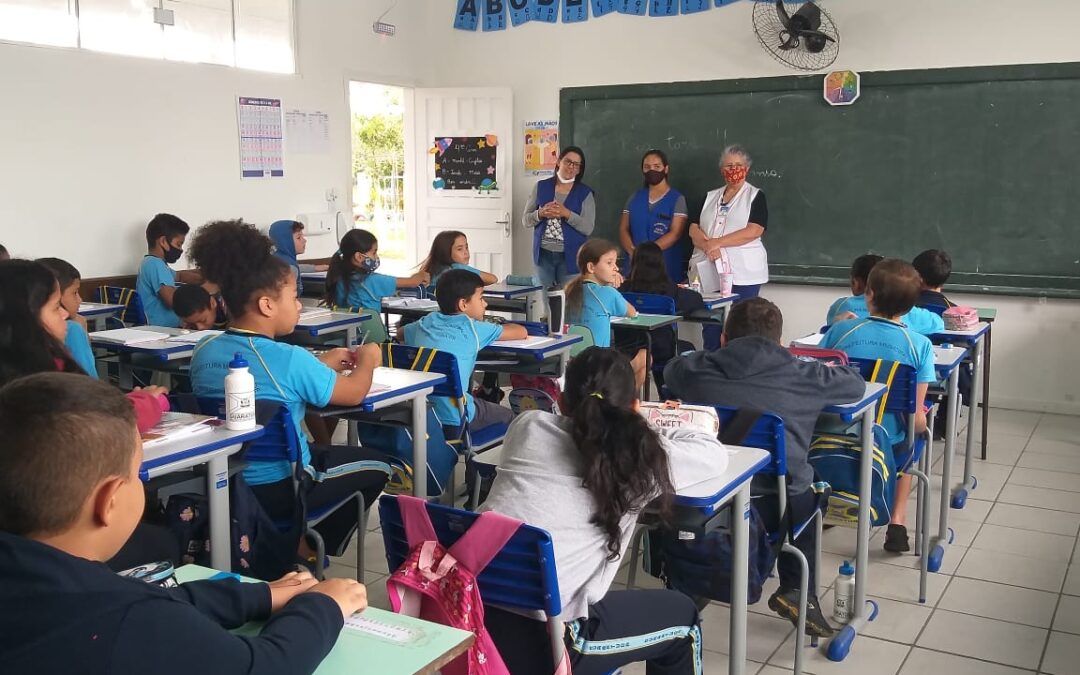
(922, 321)
(455, 266)
(598, 305)
(462, 336)
(283, 372)
(153, 274)
(878, 338)
(78, 343)
(366, 291)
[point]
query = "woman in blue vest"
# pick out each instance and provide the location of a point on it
(657, 213)
(562, 213)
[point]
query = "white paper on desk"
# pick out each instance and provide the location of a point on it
(709, 276)
(812, 340)
(313, 313)
(384, 630)
(412, 303)
(128, 336)
(531, 342)
(194, 336)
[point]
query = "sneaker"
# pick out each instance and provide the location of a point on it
(896, 540)
(786, 604)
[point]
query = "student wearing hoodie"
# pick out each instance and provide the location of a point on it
(290, 242)
(753, 369)
(459, 328)
(75, 615)
(584, 476)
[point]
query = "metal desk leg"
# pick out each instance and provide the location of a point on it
(217, 490)
(350, 337)
(986, 390)
(962, 490)
(648, 366)
(419, 444)
(944, 535)
(740, 547)
(865, 610)
(127, 379)
(534, 305)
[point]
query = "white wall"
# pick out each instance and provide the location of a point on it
(94, 144)
(536, 60)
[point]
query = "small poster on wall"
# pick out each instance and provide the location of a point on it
(261, 152)
(465, 162)
(541, 147)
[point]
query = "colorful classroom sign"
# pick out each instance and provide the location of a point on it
(541, 146)
(498, 14)
(465, 162)
(841, 87)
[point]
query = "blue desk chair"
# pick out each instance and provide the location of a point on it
(914, 455)
(767, 434)
(521, 577)
(280, 442)
(132, 314)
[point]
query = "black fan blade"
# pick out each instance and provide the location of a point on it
(808, 17)
(781, 11)
(815, 33)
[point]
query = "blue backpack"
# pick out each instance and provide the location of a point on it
(836, 457)
(395, 441)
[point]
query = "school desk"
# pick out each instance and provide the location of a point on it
(975, 339)
(716, 308)
(95, 313)
(378, 642)
(334, 322)
(549, 356)
(987, 314)
(647, 323)
(947, 367)
(212, 449)
(156, 353)
(391, 386)
(314, 284)
(527, 300)
(865, 610)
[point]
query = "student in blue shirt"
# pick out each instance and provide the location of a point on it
(352, 281)
(260, 291)
(593, 298)
(450, 251)
(198, 310)
(76, 340)
(290, 242)
(892, 290)
(459, 328)
(918, 319)
(165, 235)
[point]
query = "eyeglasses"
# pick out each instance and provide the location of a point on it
(571, 163)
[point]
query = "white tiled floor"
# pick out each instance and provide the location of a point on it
(1006, 602)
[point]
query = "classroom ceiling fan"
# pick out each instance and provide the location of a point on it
(800, 35)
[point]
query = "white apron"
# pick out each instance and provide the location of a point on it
(749, 262)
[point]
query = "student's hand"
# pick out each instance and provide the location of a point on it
(338, 359)
(349, 594)
(714, 252)
(368, 356)
(672, 405)
(920, 421)
(424, 278)
(287, 587)
(618, 280)
(154, 390)
(845, 316)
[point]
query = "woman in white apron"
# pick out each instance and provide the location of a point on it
(733, 220)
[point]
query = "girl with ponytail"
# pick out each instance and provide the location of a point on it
(584, 477)
(352, 280)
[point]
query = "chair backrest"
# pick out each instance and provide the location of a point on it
(556, 310)
(521, 576)
(830, 357)
(586, 339)
(649, 303)
(767, 434)
(429, 360)
(936, 309)
(132, 314)
(901, 380)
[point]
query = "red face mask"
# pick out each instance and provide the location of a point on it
(734, 175)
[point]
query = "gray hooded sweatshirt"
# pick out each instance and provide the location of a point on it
(759, 373)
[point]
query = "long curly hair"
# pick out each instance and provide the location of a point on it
(626, 467)
(238, 258)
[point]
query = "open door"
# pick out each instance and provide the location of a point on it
(461, 138)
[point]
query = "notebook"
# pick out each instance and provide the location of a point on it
(176, 425)
(411, 303)
(194, 336)
(531, 342)
(313, 313)
(128, 336)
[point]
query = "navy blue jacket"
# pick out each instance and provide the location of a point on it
(63, 614)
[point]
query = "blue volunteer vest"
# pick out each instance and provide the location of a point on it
(650, 226)
(545, 192)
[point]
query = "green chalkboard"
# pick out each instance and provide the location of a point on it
(981, 162)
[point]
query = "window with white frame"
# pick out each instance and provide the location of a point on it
(255, 34)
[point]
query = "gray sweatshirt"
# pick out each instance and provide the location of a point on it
(757, 372)
(552, 240)
(539, 482)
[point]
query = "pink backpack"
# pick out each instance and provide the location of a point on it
(439, 584)
(960, 318)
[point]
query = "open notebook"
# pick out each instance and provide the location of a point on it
(176, 425)
(194, 336)
(128, 336)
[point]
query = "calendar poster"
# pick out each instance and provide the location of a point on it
(261, 146)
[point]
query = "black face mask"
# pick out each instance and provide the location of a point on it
(653, 177)
(172, 254)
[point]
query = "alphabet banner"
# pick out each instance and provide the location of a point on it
(492, 14)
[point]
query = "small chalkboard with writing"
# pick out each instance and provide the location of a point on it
(464, 162)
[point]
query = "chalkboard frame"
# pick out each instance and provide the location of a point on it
(997, 284)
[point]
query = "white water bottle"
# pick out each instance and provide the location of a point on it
(844, 593)
(239, 396)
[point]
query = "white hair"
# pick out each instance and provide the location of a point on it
(737, 149)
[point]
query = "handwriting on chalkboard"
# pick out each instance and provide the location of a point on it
(465, 162)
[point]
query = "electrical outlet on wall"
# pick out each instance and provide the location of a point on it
(318, 223)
